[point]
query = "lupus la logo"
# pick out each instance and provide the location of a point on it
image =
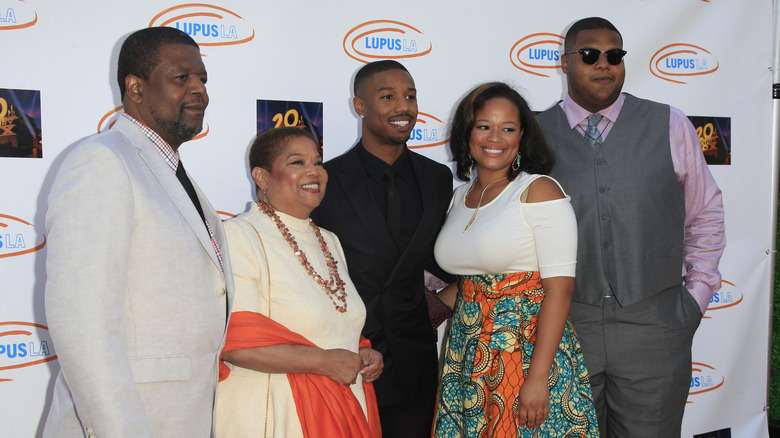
(24, 344)
(676, 62)
(19, 16)
(537, 53)
(429, 131)
(18, 237)
(208, 25)
(704, 378)
(385, 39)
(728, 296)
(109, 119)
(224, 215)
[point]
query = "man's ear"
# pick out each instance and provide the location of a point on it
(565, 64)
(134, 88)
(360, 106)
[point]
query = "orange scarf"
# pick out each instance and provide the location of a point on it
(325, 408)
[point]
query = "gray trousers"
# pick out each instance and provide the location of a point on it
(639, 361)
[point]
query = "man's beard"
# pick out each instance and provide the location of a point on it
(178, 128)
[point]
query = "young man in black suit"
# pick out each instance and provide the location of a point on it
(387, 204)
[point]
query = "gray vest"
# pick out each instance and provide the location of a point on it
(629, 205)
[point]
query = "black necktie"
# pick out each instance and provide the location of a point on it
(393, 206)
(187, 184)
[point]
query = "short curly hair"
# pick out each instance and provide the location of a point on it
(270, 144)
(590, 23)
(369, 70)
(139, 54)
(536, 155)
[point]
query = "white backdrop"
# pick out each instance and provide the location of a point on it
(309, 51)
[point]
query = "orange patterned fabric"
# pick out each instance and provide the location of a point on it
(325, 408)
(487, 358)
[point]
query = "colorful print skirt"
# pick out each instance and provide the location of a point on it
(487, 357)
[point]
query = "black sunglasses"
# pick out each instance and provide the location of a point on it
(591, 56)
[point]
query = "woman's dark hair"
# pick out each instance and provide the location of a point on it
(536, 156)
(270, 144)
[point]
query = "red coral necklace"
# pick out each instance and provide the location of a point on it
(334, 287)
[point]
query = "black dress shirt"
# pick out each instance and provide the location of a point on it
(408, 186)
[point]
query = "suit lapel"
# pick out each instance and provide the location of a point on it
(426, 183)
(167, 179)
(354, 184)
(214, 221)
(425, 180)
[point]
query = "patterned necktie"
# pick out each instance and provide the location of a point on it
(592, 134)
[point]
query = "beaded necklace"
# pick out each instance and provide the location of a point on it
(334, 287)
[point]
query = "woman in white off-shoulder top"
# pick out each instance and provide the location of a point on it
(512, 364)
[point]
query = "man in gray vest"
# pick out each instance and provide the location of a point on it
(647, 209)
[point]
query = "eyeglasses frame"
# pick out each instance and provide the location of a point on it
(605, 52)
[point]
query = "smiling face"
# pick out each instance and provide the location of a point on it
(296, 182)
(597, 86)
(495, 138)
(387, 101)
(172, 102)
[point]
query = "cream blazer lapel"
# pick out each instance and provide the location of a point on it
(167, 179)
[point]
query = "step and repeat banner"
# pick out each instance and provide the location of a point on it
(274, 63)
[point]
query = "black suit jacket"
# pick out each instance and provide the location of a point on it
(390, 281)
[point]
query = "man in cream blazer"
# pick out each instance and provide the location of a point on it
(139, 284)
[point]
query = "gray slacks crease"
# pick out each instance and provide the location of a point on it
(639, 361)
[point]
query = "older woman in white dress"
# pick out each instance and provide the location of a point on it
(294, 361)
